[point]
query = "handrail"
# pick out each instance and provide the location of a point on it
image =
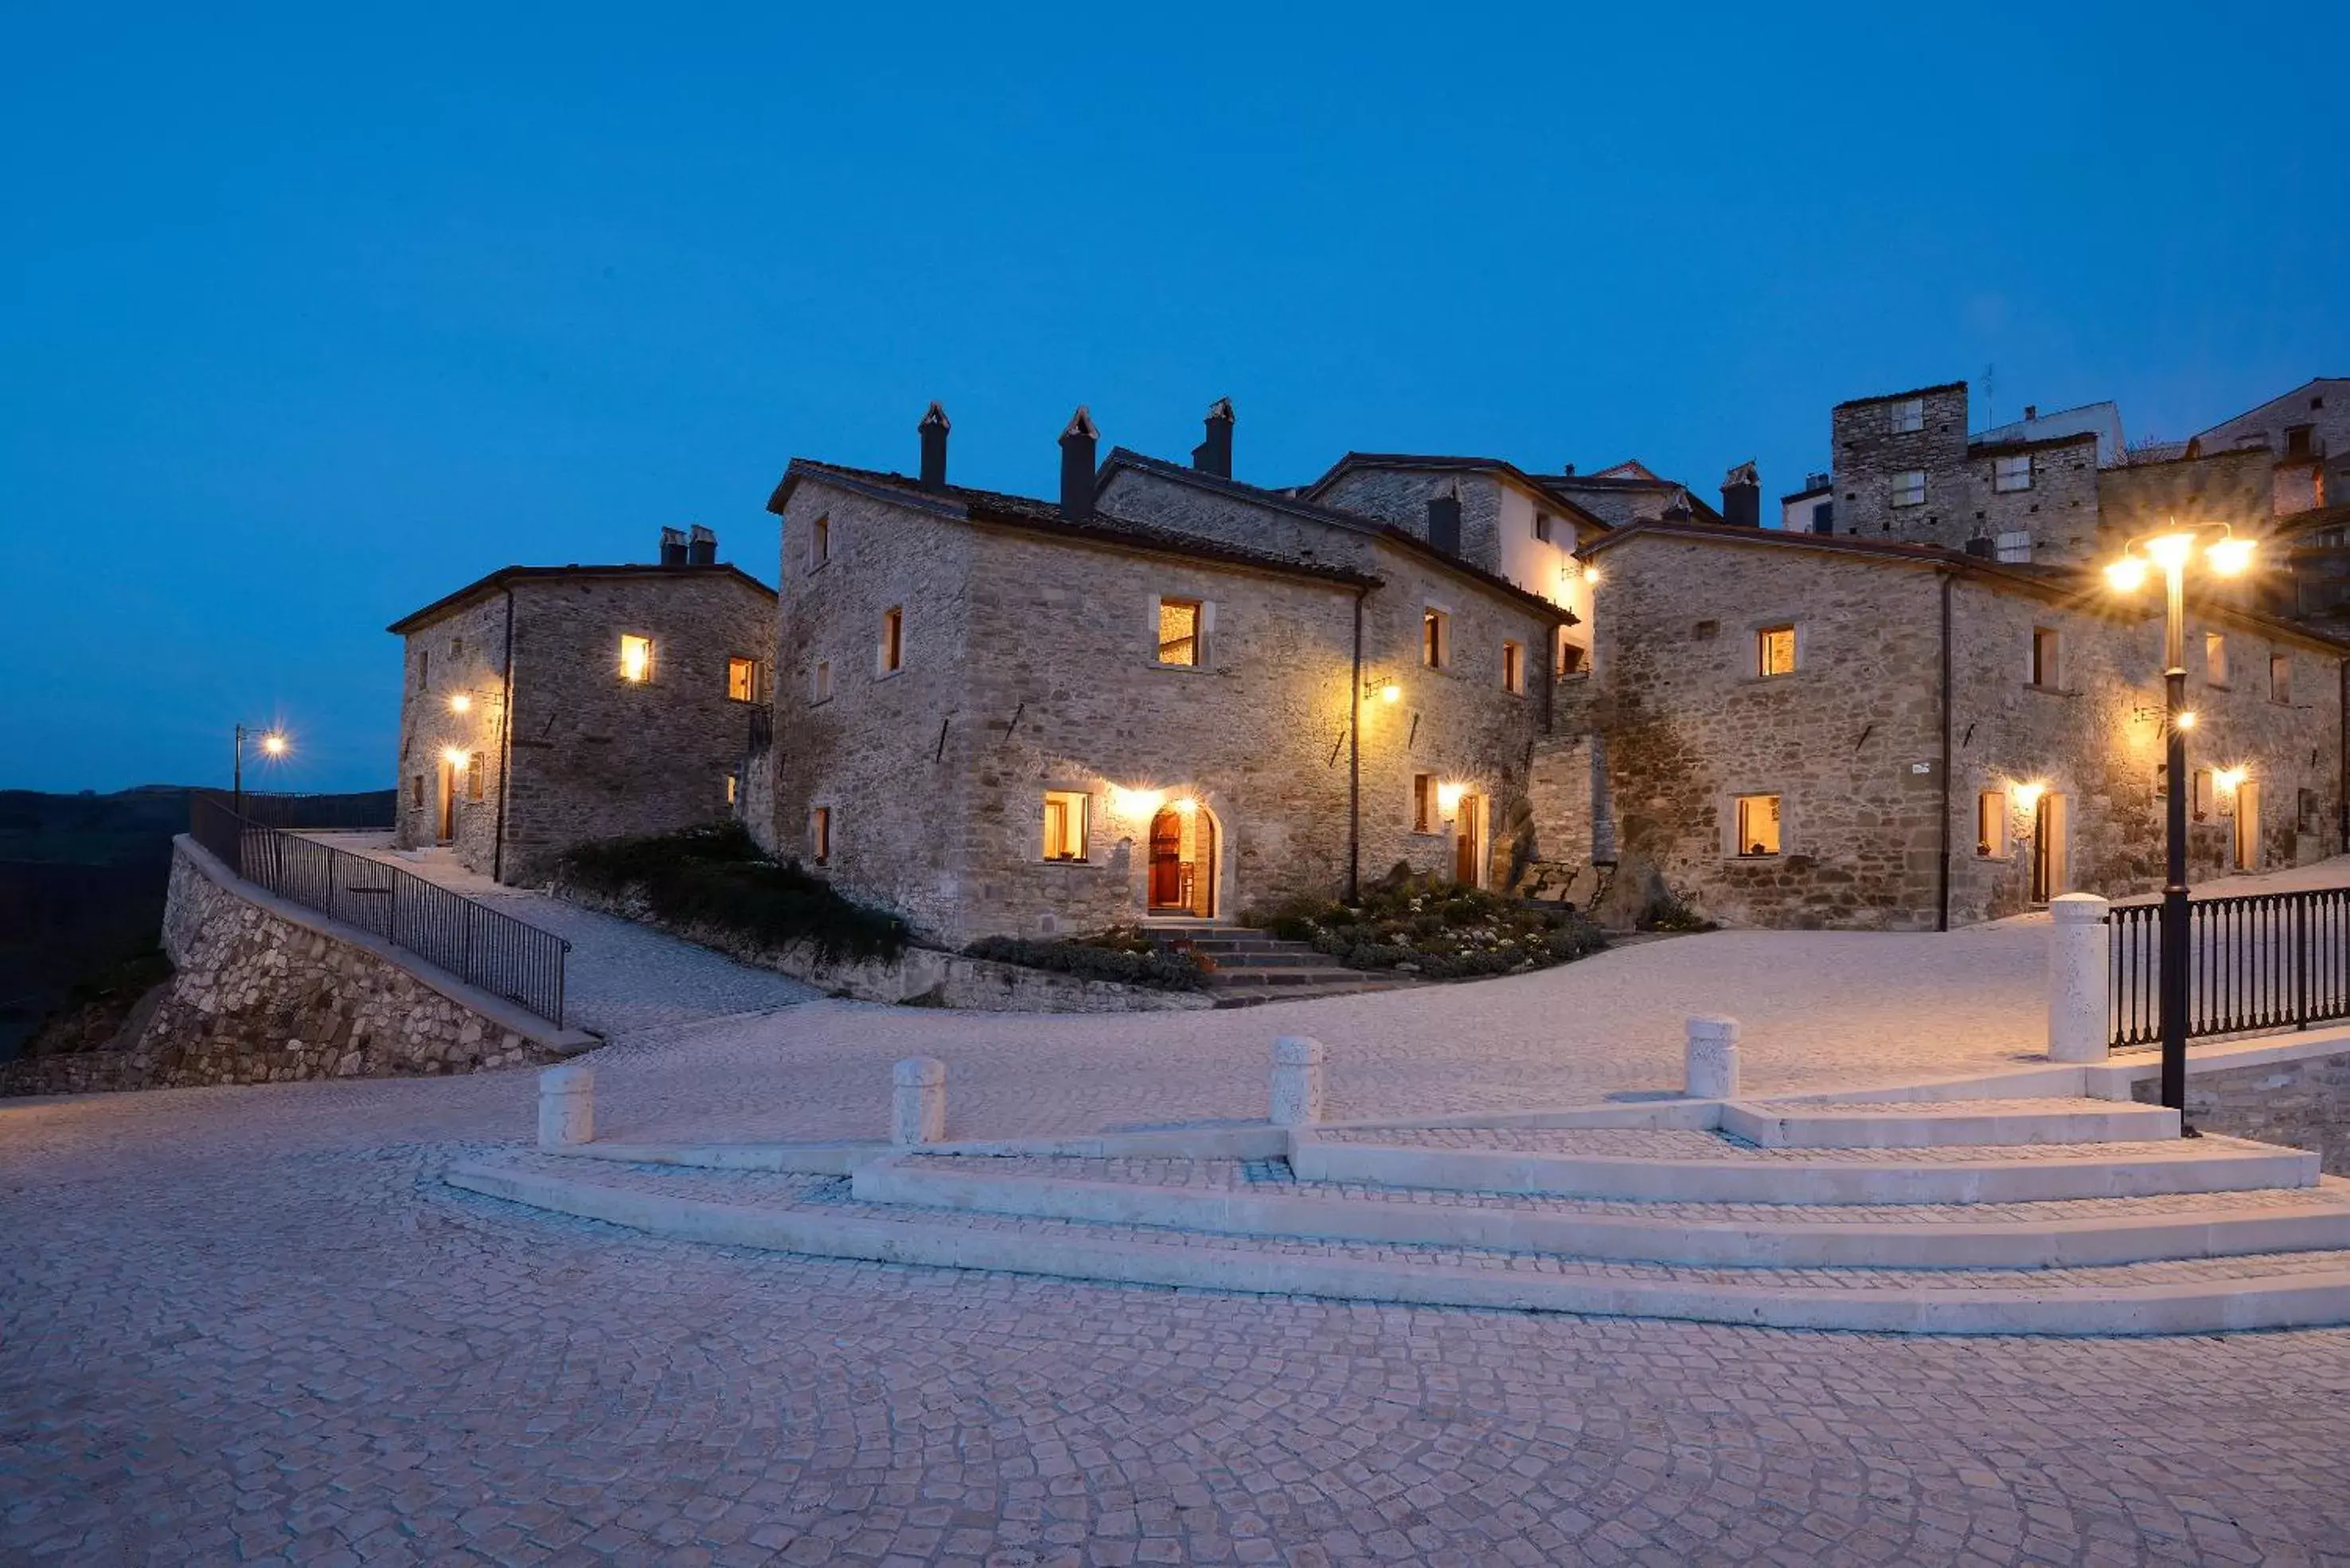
(481, 946)
(2258, 962)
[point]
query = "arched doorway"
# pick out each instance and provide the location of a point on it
(1183, 861)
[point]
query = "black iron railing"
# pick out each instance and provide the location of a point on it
(479, 945)
(374, 808)
(2270, 960)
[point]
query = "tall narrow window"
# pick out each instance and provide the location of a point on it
(474, 771)
(820, 835)
(1907, 416)
(1774, 650)
(636, 658)
(1064, 824)
(893, 640)
(820, 681)
(1513, 674)
(742, 679)
(1758, 825)
(819, 541)
(1542, 526)
(2200, 800)
(1572, 658)
(2044, 671)
(2012, 473)
(2215, 658)
(416, 790)
(1991, 825)
(1179, 632)
(1908, 488)
(2280, 678)
(424, 667)
(1435, 638)
(733, 787)
(1423, 802)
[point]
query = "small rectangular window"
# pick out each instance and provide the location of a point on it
(819, 541)
(1908, 487)
(820, 681)
(1179, 632)
(474, 771)
(1758, 825)
(2280, 678)
(2215, 658)
(733, 787)
(1423, 802)
(2014, 548)
(820, 835)
(742, 679)
(424, 667)
(1907, 416)
(1774, 650)
(1991, 825)
(2044, 647)
(2200, 803)
(1823, 517)
(1064, 824)
(2009, 473)
(416, 790)
(1435, 639)
(636, 658)
(893, 640)
(1513, 677)
(1542, 526)
(1572, 658)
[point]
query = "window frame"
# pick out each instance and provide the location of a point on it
(820, 545)
(2205, 798)
(1542, 526)
(820, 685)
(2011, 546)
(475, 784)
(734, 788)
(889, 655)
(644, 677)
(754, 683)
(1738, 805)
(1563, 667)
(2215, 661)
(1897, 494)
(1763, 640)
(1064, 798)
(1514, 667)
(2280, 679)
(1991, 838)
(2046, 672)
(1202, 622)
(1425, 818)
(819, 835)
(1435, 638)
(1904, 416)
(1999, 479)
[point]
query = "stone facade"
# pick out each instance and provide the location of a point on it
(260, 997)
(2024, 499)
(2231, 487)
(2301, 1103)
(1849, 743)
(565, 747)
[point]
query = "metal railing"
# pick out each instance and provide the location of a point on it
(2270, 960)
(479, 945)
(373, 808)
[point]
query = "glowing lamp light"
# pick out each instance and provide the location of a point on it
(2229, 557)
(1591, 574)
(2229, 778)
(1390, 693)
(2170, 551)
(1448, 797)
(460, 703)
(2126, 575)
(1135, 802)
(273, 744)
(2185, 720)
(2027, 796)
(1187, 806)
(452, 756)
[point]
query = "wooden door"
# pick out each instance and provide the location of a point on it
(1467, 825)
(2049, 874)
(2248, 826)
(1167, 860)
(448, 803)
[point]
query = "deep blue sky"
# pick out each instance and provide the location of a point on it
(309, 315)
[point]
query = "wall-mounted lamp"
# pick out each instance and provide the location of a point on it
(460, 703)
(1591, 576)
(2027, 796)
(1385, 688)
(453, 755)
(2229, 778)
(1136, 804)
(1448, 797)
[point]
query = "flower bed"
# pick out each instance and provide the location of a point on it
(1438, 930)
(1123, 955)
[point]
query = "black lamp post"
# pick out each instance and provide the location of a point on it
(273, 744)
(2169, 551)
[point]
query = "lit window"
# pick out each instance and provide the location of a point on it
(1572, 658)
(1991, 825)
(1423, 802)
(1064, 824)
(820, 835)
(2014, 548)
(1435, 639)
(820, 681)
(1907, 416)
(2046, 670)
(893, 640)
(742, 679)
(636, 658)
(1774, 650)
(1908, 487)
(1758, 825)
(2215, 658)
(733, 787)
(1542, 526)
(1513, 677)
(819, 543)
(2280, 678)
(2012, 473)
(1179, 631)
(474, 771)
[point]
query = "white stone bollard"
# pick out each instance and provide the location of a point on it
(1296, 1081)
(917, 1101)
(1710, 1059)
(2077, 957)
(566, 1107)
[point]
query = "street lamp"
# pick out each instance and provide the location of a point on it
(273, 744)
(2171, 551)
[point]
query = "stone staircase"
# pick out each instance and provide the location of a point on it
(1252, 968)
(2054, 1215)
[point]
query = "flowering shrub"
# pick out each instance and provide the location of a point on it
(1421, 925)
(1122, 954)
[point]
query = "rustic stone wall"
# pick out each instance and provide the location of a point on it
(2058, 512)
(2231, 487)
(2301, 1104)
(592, 755)
(1868, 452)
(260, 997)
(1400, 497)
(1147, 497)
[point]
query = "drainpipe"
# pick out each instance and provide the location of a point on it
(2342, 762)
(505, 746)
(1354, 763)
(1942, 873)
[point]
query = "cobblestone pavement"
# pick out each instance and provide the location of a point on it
(246, 1325)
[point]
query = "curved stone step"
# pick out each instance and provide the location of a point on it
(1682, 1166)
(2296, 1290)
(2058, 1234)
(1940, 1124)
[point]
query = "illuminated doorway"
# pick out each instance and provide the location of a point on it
(1183, 861)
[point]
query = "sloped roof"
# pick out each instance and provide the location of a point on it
(506, 576)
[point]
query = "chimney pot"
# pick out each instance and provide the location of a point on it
(1742, 497)
(701, 547)
(1077, 467)
(933, 430)
(672, 547)
(1214, 455)
(2031, 412)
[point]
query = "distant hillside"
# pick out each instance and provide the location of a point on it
(81, 889)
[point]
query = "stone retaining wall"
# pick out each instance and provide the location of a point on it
(261, 997)
(2302, 1103)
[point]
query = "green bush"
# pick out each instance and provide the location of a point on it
(1433, 928)
(715, 876)
(1122, 954)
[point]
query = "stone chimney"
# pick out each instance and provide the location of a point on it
(701, 547)
(1214, 455)
(1444, 521)
(933, 430)
(672, 550)
(1742, 497)
(1077, 467)
(2031, 412)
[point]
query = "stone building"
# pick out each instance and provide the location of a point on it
(546, 705)
(1166, 695)
(1906, 470)
(1806, 729)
